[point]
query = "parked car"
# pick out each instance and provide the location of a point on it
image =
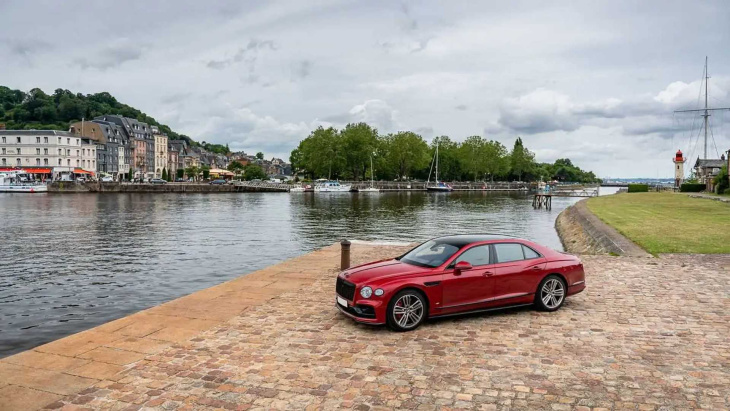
(107, 179)
(458, 274)
(157, 181)
(180, 180)
(218, 182)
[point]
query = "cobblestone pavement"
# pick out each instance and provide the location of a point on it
(646, 334)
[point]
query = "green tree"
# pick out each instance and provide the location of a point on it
(131, 173)
(235, 167)
(253, 171)
(180, 173)
(319, 155)
(450, 162)
(359, 142)
(521, 160)
(192, 172)
(164, 174)
(206, 172)
(260, 155)
(721, 180)
(403, 153)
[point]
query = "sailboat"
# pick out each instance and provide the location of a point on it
(438, 186)
(372, 188)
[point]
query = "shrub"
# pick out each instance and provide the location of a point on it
(638, 188)
(727, 191)
(691, 188)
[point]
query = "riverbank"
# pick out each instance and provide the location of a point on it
(279, 343)
(667, 222)
(70, 187)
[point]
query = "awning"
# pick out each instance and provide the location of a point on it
(220, 172)
(28, 170)
(82, 171)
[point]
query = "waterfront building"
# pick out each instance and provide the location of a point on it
(161, 157)
(707, 169)
(108, 139)
(46, 153)
(138, 138)
(172, 162)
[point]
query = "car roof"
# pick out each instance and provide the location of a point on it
(461, 240)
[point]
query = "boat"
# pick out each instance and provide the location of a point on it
(19, 181)
(300, 189)
(372, 188)
(331, 187)
(438, 186)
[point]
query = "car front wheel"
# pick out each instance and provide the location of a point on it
(550, 294)
(406, 310)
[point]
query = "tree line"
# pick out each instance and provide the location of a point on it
(347, 154)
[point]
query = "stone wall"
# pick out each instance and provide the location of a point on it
(581, 232)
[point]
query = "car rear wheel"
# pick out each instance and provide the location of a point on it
(406, 310)
(550, 293)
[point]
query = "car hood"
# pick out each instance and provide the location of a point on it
(379, 270)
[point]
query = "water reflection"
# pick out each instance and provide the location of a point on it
(71, 262)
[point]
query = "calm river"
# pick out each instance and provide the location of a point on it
(71, 262)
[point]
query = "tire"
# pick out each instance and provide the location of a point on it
(551, 293)
(414, 304)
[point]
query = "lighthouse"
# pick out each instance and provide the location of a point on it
(679, 168)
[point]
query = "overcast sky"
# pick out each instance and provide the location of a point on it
(596, 82)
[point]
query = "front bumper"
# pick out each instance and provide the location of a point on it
(366, 312)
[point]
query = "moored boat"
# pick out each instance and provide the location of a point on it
(438, 186)
(332, 187)
(19, 181)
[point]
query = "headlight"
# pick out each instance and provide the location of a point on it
(379, 292)
(366, 292)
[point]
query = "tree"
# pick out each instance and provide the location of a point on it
(721, 180)
(164, 174)
(131, 173)
(403, 153)
(521, 159)
(253, 171)
(206, 172)
(192, 172)
(180, 173)
(260, 155)
(358, 144)
(320, 153)
(235, 167)
(450, 162)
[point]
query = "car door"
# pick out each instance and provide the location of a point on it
(518, 271)
(469, 288)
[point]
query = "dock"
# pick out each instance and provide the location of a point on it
(273, 339)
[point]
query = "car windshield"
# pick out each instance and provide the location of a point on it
(430, 254)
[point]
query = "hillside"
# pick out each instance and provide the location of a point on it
(38, 110)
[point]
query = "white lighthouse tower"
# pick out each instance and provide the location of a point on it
(679, 169)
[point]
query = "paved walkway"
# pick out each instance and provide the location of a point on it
(724, 199)
(647, 333)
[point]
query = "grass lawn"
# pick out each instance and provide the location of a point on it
(667, 222)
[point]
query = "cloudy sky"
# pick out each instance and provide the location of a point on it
(593, 81)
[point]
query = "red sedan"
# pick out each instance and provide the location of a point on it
(458, 274)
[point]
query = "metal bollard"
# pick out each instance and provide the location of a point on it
(345, 255)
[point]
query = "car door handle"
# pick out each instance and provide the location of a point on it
(488, 273)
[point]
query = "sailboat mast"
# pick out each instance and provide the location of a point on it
(707, 113)
(437, 162)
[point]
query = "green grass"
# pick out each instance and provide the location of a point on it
(667, 222)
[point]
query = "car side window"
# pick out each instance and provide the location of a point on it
(529, 252)
(509, 252)
(475, 256)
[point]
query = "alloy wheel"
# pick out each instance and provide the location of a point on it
(552, 293)
(408, 311)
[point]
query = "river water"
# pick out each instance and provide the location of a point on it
(71, 262)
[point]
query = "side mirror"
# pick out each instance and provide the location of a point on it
(462, 266)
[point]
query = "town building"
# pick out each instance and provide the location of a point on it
(707, 169)
(161, 157)
(172, 162)
(108, 139)
(141, 143)
(46, 153)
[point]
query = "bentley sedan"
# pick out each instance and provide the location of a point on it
(455, 275)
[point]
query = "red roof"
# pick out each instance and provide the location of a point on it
(81, 171)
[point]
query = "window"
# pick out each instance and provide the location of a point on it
(430, 254)
(77, 153)
(59, 140)
(68, 141)
(5, 162)
(18, 140)
(509, 252)
(45, 161)
(17, 161)
(38, 140)
(37, 150)
(68, 151)
(529, 252)
(4, 140)
(3, 150)
(68, 162)
(37, 161)
(18, 150)
(77, 163)
(45, 140)
(77, 142)
(478, 255)
(59, 161)
(45, 151)
(59, 151)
